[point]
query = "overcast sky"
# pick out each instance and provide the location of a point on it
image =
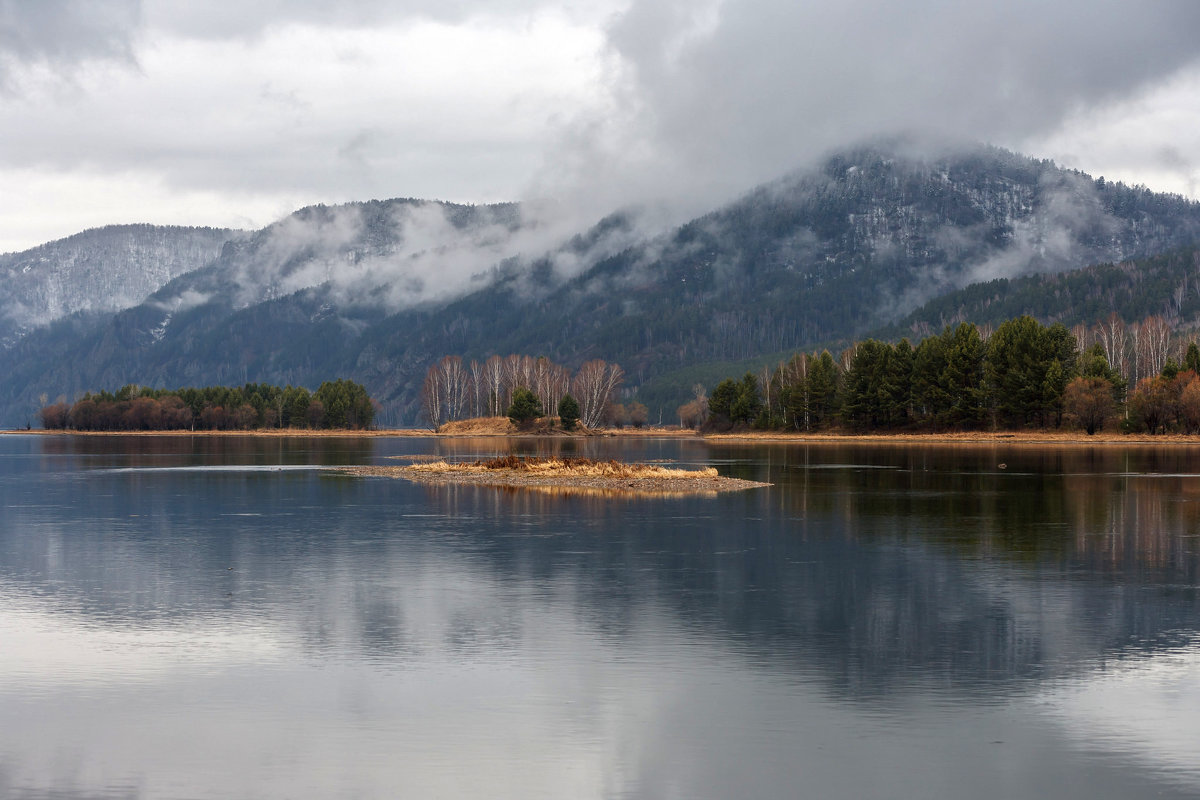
(236, 113)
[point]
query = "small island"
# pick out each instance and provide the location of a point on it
(586, 474)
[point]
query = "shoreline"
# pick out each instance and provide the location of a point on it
(1105, 438)
(268, 433)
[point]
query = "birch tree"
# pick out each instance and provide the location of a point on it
(593, 387)
(493, 372)
(1113, 336)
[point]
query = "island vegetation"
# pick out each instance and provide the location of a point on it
(526, 388)
(335, 405)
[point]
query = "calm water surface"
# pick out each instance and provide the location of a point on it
(222, 618)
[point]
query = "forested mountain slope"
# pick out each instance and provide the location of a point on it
(1166, 285)
(378, 291)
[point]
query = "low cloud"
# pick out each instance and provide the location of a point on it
(401, 254)
(184, 301)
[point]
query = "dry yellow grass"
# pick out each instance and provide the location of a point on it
(570, 475)
(479, 426)
(565, 468)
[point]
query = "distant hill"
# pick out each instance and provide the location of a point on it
(98, 271)
(377, 291)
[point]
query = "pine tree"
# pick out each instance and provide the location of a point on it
(568, 412)
(525, 407)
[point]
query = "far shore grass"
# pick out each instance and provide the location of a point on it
(501, 427)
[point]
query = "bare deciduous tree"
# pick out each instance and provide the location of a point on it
(478, 388)
(593, 387)
(1082, 337)
(431, 399)
(444, 393)
(1153, 339)
(1113, 336)
(493, 371)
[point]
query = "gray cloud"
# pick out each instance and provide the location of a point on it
(214, 20)
(710, 98)
(62, 34)
(247, 110)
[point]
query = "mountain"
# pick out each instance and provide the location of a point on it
(378, 291)
(98, 271)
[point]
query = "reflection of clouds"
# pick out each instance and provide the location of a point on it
(45, 649)
(495, 682)
(1145, 708)
(560, 710)
(382, 642)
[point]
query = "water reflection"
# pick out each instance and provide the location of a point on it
(963, 629)
(205, 449)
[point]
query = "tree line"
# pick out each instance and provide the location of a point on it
(340, 404)
(1021, 375)
(524, 387)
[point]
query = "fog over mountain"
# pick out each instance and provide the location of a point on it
(377, 291)
(387, 255)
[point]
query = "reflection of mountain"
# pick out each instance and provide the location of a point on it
(926, 567)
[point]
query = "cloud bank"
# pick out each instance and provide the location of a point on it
(713, 97)
(235, 114)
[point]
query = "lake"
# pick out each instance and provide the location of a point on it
(220, 617)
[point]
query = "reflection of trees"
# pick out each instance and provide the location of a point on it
(199, 450)
(1134, 522)
(939, 568)
(1110, 507)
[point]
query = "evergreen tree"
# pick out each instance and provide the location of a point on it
(822, 390)
(1053, 387)
(568, 412)
(931, 398)
(1191, 361)
(720, 403)
(867, 392)
(1019, 359)
(525, 407)
(899, 374)
(747, 403)
(1094, 364)
(346, 403)
(962, 378)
